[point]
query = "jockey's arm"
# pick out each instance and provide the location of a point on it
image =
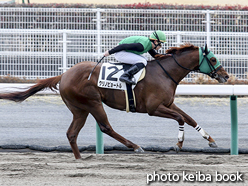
(132, 46)
(153, 53)
(156, 55)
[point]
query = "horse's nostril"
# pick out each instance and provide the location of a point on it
(226, 77)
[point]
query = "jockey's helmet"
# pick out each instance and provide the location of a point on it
(158, 35)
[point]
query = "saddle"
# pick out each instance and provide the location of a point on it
(109, 78)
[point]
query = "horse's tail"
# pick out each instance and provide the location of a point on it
(42, 84)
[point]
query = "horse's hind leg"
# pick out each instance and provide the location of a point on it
(79, 118)
(102, 120)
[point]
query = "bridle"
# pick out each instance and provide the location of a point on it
(212, 74)
(213, 71)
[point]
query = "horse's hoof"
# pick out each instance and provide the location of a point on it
(177, 149)
(139, 150)
(212, 144)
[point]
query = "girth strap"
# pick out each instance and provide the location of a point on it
(130, 96)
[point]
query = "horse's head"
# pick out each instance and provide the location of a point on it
(210, 65)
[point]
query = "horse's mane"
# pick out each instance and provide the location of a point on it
(179, 50)
(182, 48)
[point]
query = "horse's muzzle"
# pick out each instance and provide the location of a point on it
(221, 79)
(221, 75)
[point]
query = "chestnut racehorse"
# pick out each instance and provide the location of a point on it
(154, 94)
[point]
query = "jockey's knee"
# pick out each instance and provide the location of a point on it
(144, 62)
(141, 61)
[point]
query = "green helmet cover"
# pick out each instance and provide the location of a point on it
(160, 34)
(204, 66)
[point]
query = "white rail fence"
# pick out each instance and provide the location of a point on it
(44, 42)
(182, 90)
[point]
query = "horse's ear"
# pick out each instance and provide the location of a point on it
(206, 49)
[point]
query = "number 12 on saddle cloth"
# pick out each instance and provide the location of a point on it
(109, 78)
(110, 73)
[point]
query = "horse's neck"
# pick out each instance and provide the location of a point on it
(177, 72)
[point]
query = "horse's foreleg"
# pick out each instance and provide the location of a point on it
(102, 120)
(206, 136)
(78, 122)
(180, 138)
(165, 112)
(192, 123)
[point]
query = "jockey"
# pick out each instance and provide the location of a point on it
(130, 49)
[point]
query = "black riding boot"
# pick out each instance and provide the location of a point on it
(128, 75)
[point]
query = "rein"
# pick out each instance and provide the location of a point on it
(211, 66)
(177, 64)
(166, 72)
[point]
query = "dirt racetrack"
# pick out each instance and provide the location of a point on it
(30, 168)
(43, 120)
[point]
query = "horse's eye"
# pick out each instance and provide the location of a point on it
(214, 60)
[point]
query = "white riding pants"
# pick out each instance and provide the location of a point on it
(130, 58)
